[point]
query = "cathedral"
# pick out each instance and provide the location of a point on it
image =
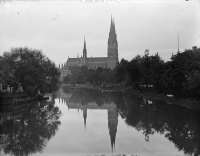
(95, 62)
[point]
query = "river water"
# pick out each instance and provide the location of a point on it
(85, 122)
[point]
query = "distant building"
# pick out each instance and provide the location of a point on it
(94, 62)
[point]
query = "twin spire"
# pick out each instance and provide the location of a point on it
(112, 37)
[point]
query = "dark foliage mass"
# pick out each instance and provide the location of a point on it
(29, 68)
(180, 76)
(83, 75)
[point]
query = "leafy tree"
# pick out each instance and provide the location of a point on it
(32, 69)
(133, 70)
(6, 72)
(66, 79)
(157, 70)
(181, 75)
(145, 68)
(121, 71)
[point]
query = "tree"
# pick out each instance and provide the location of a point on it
(133, 70)
(121, 71)
(66, 79)
(32, 69)
(145, 68)
(157, 70)
(182, 74)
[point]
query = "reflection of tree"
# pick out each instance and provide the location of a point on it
(179, 125)
(86, 96)
(36, 126)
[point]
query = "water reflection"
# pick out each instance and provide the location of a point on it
(87, 99)
(179, 125)
(26, 129)
(124, 124)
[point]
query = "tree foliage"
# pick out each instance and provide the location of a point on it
(180, 76)
(84, 75)
(30, 68)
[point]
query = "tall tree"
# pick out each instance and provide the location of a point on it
(121, 71)
(32, 69)
(145, 68)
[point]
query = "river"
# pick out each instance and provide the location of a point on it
(84, 122)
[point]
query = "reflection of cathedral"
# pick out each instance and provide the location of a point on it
(112, 116)
(112, 126)
(84, 114)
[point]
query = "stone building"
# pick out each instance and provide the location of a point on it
(94, 62)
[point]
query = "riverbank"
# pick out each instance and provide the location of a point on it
(186, 102)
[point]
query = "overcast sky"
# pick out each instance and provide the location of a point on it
(58, 27)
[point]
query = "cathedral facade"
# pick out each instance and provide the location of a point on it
(94, 62)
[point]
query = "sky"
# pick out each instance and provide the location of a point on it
(58, 27)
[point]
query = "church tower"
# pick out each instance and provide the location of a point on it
(84, 50)
(112, 42)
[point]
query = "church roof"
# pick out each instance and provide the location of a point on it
(92, 59)
(72, 60)
(97, 59)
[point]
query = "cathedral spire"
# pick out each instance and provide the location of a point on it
(112, 28)
(84, 50)
(112, 42)
(111, 23)
(84, 43)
